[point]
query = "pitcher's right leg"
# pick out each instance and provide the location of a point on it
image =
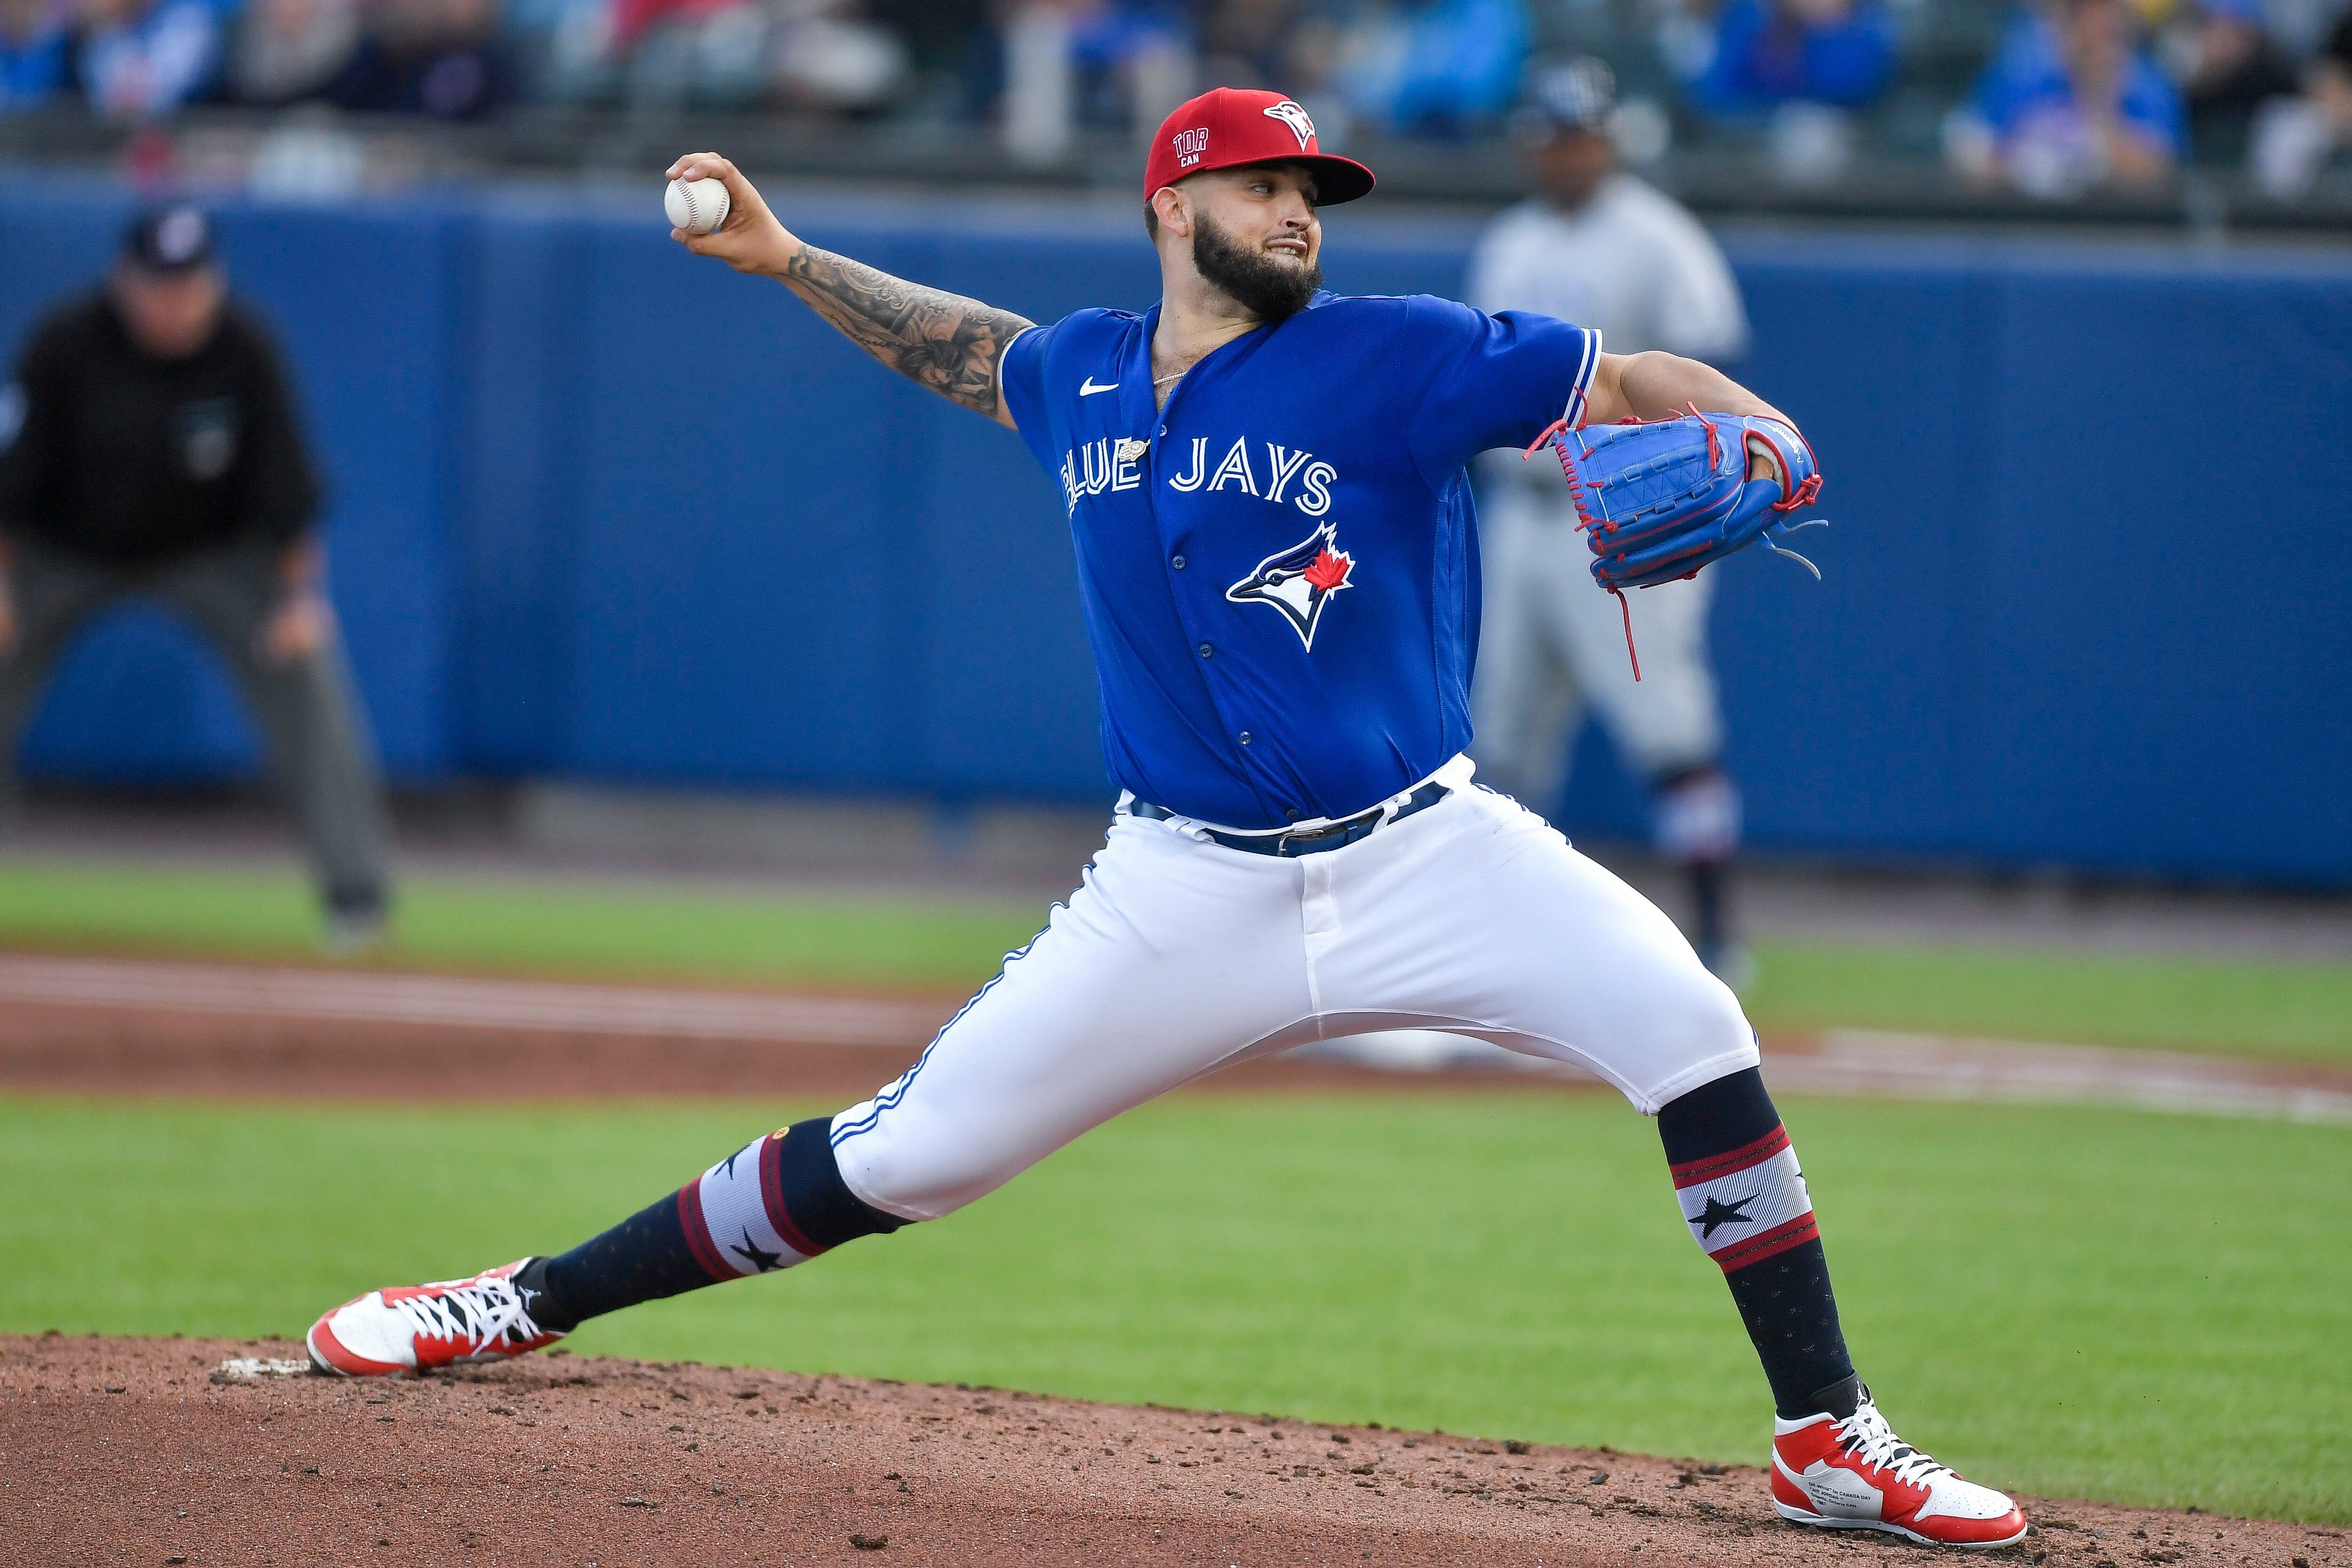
(1173, 957)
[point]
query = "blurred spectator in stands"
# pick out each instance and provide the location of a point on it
(32, 34)
(565, 48)
(1285, 45)
(2229, 67)
(1103, 63)
(952, 55)
(139, 58)
(676, 53)
(1289, 45)
(150, 448)
(1771, 52)
(1436, 67)
(2070, 100)
(830, 57)
(1038, 108)
(2294, 138)
(438, 57)
(290, 50)
(1134, 62)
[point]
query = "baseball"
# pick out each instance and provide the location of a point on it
(697, 207)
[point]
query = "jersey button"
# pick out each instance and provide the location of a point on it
(1178, 562)
(1291, 813)
(1245, 737)
(1207, 652)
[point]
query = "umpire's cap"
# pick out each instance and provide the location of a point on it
(1572, 95)
(174, 236)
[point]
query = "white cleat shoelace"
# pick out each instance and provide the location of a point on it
(1867, 1436)
(475, 1315)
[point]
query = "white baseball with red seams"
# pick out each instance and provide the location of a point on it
(697, 207)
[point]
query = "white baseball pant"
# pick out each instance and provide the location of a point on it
(1550, 638)
(1177, 955)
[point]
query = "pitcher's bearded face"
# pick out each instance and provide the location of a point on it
(1273, 279)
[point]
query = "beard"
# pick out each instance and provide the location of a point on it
(1271, 290)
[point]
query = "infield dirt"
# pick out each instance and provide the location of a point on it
(135, 1451)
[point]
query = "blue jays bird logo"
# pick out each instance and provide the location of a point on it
(1298, 581)
(1293, 116)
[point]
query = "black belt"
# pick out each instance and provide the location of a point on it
(1307, 840)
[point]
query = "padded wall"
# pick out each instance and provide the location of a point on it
(604, 512)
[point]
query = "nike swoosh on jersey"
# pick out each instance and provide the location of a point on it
(1088, 389)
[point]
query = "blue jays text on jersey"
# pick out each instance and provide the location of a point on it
(1278, 568)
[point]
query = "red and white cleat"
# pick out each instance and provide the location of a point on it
(1856, 1474)
(403, 1330)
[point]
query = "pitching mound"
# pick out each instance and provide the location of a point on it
(142, 1451)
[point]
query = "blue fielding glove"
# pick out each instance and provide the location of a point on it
(1660, 500)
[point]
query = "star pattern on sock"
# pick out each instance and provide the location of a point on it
(1719, 1213)
(753, 1253)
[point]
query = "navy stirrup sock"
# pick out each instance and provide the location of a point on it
(1746, 1203)
(777, 1202)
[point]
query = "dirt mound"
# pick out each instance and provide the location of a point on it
(135, 1451)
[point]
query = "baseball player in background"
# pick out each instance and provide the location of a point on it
(1265, 487)
(1598, 247)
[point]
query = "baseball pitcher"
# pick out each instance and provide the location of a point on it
(1264, 486)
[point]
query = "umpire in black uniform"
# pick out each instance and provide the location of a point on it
(148, 447)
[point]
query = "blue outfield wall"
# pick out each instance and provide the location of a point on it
(602, 511)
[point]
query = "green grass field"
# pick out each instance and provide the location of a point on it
(2132, 1307)
(682, 932)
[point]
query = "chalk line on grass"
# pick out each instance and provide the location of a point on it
(466, 1002)
(1881, 1064)
(1838, 1062)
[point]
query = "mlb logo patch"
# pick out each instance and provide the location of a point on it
(207, 433)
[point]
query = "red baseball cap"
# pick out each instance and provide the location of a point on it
(1230, 127)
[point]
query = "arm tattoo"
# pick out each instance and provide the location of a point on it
(942, 340)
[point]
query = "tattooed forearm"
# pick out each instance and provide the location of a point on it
(943, 340)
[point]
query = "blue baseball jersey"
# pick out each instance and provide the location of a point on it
(1279, 569)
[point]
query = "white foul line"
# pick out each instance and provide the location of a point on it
(1840, 1061)
(362, 997)
(1884, 1065)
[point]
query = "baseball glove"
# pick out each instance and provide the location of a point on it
(1660, 500)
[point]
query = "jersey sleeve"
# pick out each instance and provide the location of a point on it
(1491, 380)
(1021, 381)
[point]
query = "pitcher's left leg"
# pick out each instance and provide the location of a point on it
(1835, 1461)
(1486, 921)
